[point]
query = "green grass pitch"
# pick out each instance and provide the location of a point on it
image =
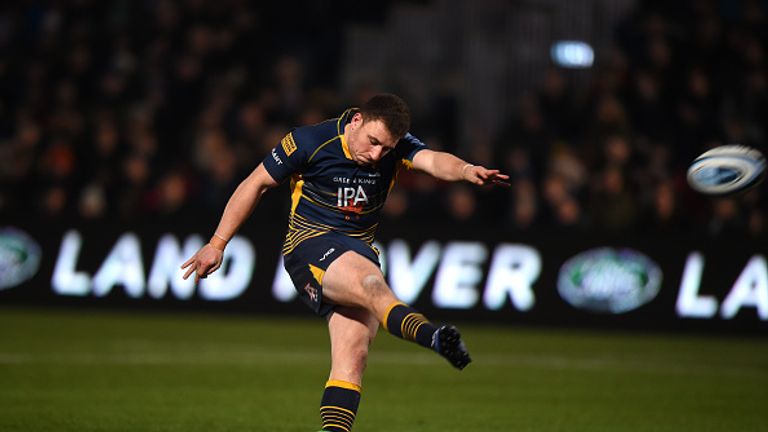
(109, 371)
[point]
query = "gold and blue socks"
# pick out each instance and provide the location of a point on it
(407, 323)
(338, 406)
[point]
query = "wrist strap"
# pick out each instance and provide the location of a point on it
(218, 242)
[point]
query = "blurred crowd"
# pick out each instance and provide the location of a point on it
(684, 77)
(146, 110)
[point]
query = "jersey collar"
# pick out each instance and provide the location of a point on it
(340, 124)
(345, 118)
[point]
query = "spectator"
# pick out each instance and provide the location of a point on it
(115, 109)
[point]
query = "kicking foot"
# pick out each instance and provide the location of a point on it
(447, 342)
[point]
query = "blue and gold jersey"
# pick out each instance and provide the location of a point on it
(329, 191)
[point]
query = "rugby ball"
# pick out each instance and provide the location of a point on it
(727, 169)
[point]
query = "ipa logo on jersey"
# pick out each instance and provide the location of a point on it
(351, 199)
(289, 145)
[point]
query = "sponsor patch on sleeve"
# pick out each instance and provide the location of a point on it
(289, 145)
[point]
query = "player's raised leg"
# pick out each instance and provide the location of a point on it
(353, 280)
(351, 330)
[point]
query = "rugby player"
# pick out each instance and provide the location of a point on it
(341, 171)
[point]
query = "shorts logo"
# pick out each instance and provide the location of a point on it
(289, 145)
(328, 252)
(311, 292)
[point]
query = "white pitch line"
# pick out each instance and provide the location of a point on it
(227, 356)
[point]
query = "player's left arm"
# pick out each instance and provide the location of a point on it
(449, 167)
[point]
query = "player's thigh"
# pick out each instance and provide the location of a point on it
(353, 280)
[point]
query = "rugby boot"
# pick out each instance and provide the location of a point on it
(447, 342)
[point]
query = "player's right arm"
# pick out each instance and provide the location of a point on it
(285, 159)
(239, 207)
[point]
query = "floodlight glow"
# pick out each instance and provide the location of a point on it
(572, 54)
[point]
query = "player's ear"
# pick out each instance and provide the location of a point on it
(357, 119)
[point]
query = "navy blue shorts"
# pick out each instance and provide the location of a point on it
(308, 262)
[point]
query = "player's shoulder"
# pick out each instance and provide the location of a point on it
(410, 140)
(312, 136)
(408, 146)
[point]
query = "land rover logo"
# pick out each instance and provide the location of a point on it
(607, 280)
(19, 257)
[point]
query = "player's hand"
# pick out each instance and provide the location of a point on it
(481, 176)
(206, 261)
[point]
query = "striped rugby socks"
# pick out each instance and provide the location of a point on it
(407, 323)
(338, 406)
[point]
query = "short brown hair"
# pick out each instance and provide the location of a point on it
(391, 110)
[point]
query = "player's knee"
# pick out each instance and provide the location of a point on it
(375, 286)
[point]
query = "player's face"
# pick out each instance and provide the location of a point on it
(369, 141)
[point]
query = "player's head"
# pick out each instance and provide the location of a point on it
(391, 110)
(377, 127)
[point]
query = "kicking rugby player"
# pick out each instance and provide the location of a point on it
(341, 172)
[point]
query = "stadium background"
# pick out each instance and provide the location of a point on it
(125, 125)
